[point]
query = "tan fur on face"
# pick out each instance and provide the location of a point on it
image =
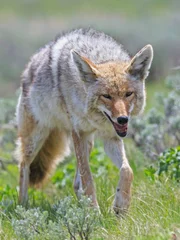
(115, 76)
(116, 85)
(112, 69)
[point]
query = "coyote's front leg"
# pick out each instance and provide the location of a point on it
(81, 146)
(114, 148)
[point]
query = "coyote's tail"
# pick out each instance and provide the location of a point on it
(55, 148)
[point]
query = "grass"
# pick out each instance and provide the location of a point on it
(154, 212)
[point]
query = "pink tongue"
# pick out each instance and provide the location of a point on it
(121, 128)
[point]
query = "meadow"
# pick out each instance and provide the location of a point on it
(152, 144)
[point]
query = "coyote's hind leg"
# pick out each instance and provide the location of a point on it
(31, 139)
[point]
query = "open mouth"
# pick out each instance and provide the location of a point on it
(121, 129)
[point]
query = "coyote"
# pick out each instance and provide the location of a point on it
(81, 84)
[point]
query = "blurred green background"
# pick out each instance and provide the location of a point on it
(27, 25)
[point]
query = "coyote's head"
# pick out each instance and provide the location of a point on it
(116, 89)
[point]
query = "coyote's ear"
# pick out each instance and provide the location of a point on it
(141, 63)
(87, 69)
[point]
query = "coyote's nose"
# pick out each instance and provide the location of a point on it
(122, 119)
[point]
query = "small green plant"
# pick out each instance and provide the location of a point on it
(30, 223)
(80, 220)
(168, 165)
(71, 220)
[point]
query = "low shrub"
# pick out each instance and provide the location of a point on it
(71, 220)
(159, 129)
(168, 165)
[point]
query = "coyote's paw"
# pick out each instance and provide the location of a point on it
(121, 203)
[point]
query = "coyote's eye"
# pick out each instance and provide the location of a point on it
(128, 94)
(107, 96)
